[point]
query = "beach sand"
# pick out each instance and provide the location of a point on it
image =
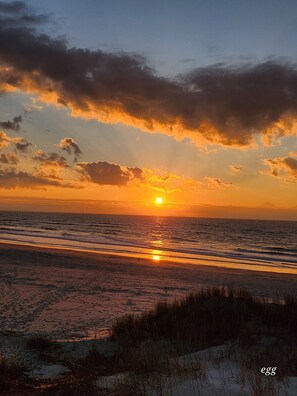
(76, 294)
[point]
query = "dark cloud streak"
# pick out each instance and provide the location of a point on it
(11, 179)
(13, 125)
(22, 145)
(50, 159)
(14, 7)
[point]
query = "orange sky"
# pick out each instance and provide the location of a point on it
(93, 131)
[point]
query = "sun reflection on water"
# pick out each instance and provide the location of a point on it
(156, 255)
(157, 238)
(156, 235)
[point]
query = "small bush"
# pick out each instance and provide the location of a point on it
(39, 343)
(72, 385)
(10, 373)
(95, 364)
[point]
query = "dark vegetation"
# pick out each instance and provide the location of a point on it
(95, 364)
(12, 373)
(212, 316)
(204, 318)
(39, 343)
(216, 315)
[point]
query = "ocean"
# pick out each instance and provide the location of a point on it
(248, 244)
(76, 295)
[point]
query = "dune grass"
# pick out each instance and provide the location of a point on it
(264, 332)
(212, 316)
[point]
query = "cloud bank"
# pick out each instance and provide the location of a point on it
(216, 104)
(12, 179)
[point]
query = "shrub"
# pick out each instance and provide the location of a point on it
(39, 343)
(10, 373)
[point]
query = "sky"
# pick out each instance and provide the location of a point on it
(106, 106)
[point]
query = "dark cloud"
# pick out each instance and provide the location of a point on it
(284, 167)
(18, 14)
(104, 173)
(137, 173)
(291, 163)
(13, 7)
(241, 101)
(11, 179)
(71, 147)
(22, 145)
(50, 159)
(217, 104)
(13, 125)
(9, 159)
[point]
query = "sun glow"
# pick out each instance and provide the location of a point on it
(159, 200)
(156, 254)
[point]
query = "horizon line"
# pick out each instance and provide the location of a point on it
(145, 215)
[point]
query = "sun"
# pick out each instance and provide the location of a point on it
(159, 200)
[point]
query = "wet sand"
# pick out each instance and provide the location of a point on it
(75, 294)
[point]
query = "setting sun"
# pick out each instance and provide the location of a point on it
(159, 200)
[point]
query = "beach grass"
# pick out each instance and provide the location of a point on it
(158, 349)
(212, 316)
(262, 332)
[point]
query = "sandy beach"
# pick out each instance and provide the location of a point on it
(72, 295)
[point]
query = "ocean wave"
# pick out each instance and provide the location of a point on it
(270, 242)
